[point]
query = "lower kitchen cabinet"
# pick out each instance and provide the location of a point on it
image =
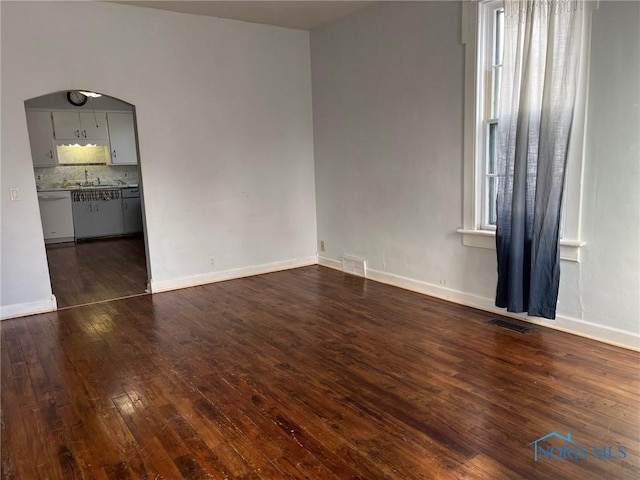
(132, 213)
(97, 218)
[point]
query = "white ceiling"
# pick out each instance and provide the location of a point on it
(303, 15)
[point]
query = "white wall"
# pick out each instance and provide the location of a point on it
(388, 133)
(225, 136)
(610, 273)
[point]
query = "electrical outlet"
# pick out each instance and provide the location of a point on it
(39, 177)
(322, 245)
(126, 174)
(212, 261)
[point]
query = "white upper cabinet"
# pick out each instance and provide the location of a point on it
(122, 138)
(41, 139)
(94, 126)
(67, 125)
(70, 125)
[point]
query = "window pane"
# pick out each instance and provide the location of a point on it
(491, 206)
(495, 91)
(492, 153)
(497, 49)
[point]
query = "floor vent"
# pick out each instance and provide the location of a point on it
(516, 327)
(354, 265)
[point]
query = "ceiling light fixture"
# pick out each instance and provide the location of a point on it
(90, 94)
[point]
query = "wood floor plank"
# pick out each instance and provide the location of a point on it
(294, 394)
(148, 442)
(307, 373)
(14, 439)
(97, 270)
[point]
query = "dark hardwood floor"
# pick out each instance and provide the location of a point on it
(97, 270)
(308, 373)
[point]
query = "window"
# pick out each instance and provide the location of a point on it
(490, 61)
(482, 35)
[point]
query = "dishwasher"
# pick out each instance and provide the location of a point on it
(56, 216)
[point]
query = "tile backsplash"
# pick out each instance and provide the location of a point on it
(76, 154)
(75, 173)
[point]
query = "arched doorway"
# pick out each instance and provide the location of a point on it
(87, 170)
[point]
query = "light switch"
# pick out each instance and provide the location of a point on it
(15, 194)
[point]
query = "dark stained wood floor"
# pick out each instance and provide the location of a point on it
(306, 373)
(97, 270)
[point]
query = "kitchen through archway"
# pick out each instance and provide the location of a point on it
(86, 165)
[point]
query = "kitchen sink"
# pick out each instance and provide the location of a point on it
(102, 185)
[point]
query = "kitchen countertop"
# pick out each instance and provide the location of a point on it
(71, 187)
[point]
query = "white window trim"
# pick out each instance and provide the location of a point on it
(473, 235)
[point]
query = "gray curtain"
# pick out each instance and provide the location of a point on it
(542, 46)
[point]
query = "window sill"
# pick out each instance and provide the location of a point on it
(569, 249)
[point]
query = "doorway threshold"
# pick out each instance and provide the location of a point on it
(103, 301)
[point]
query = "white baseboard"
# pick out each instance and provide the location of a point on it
(574, 326)
(330, 262)
(59, 240)
(31, 308)
(195, 280)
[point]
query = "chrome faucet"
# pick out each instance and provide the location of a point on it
(86, 176)
(98, 180)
